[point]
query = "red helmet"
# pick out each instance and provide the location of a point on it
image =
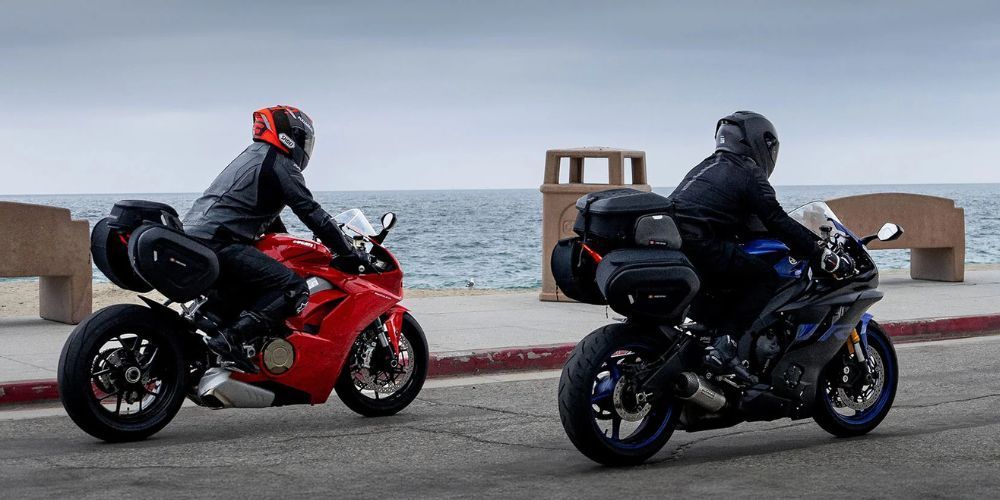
(287, 129)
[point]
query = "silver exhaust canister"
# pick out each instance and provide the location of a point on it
(218, 390)
(693, 388)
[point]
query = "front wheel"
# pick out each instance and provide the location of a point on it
(375, 383)
(850, 403)
(602, 410)
(121, 374)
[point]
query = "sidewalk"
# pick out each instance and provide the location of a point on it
(491, 324)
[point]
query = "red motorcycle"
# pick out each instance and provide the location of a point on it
(126, 369)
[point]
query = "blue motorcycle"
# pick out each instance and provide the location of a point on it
(813, 352)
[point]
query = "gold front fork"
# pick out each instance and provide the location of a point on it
(854, 345)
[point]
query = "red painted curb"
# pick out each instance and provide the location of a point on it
(28, 391)
(550, 357)
(964, 326)
(543, 357)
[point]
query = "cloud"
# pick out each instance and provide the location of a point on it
(121, 96)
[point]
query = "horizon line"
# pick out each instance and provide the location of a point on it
(500, 189)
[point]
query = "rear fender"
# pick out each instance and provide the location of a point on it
(190, 340)
(683, 355)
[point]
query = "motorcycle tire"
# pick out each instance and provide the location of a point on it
(591, 364)
(867, 419)
(121, 354)
(356, 399)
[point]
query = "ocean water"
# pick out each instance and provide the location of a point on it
(446, 238)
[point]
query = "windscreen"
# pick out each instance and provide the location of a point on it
(816, 214)
(356, 221)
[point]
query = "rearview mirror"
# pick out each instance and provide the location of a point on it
(389, 220)
(889, 232)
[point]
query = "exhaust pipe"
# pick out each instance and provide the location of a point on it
(217, 390)
(693, 388)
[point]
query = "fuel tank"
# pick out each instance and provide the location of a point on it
(287, 248)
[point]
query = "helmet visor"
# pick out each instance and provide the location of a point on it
(772, 147)
(307, 145)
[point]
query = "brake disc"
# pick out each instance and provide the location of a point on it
(869, 393)
(368, 376)
(107, 360)
(629, 405)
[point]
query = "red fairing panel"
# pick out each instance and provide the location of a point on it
(326, 328)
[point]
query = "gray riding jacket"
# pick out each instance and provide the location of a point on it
(247, 198)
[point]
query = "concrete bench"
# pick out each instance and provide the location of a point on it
(37, 240)
(934, 229)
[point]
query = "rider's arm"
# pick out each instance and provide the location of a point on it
(300, 200)
(764, 204)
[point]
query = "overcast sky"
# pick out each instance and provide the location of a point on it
(156, 96)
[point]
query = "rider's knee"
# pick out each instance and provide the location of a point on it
(296, 296)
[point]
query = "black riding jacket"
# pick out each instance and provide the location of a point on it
(720, 197)
(247, 198)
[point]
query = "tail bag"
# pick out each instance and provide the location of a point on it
(634, 263)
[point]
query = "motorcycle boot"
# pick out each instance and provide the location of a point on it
(722, 359)
(229, 342)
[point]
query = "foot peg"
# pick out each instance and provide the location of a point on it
(721, 358)
(232, 357)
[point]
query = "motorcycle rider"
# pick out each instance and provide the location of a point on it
(243, 203)
(716, 203)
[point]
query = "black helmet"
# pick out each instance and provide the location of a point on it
(748, 134)
(288, 129)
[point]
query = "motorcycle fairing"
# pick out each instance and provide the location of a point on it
(796, 374)
(341, 307)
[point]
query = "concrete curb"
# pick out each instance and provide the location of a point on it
(548, 357)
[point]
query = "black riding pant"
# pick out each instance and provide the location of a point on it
(724, 265)
(268, 288)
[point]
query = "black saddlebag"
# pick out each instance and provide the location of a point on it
(109, 239)
(650, 283)
(610, 216)
(176, 265)
(574, 272)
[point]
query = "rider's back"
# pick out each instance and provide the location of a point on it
(243, 199)
(712, 201)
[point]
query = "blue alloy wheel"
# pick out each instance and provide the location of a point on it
(852, 402)
(616, 403)
(603, 411)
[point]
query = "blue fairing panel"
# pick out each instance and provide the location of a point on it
(787, 269)
(762, 247)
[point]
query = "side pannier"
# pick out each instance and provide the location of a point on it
(650, 283)
(109, 239)
(574, 272)
(176, 265)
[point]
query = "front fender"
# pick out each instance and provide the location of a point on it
(394, 324)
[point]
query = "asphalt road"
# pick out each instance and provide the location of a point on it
(504, 440)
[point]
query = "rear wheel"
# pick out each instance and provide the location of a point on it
(604, 413)
(858, 405)
(121, 374)
(374, 383)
